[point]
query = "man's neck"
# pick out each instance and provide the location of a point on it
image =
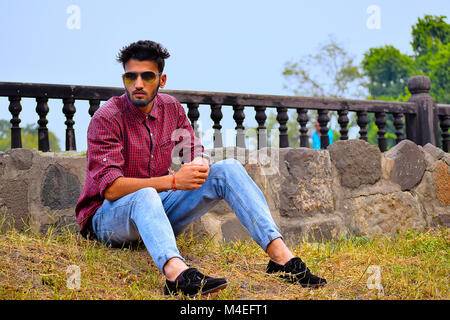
(147, 109)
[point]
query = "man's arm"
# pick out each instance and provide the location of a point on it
(191, 176)
(123, 186)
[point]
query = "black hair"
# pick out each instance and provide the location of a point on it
(144, 50)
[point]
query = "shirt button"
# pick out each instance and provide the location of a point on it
(151, 156)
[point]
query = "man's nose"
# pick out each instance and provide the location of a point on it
(139, 84)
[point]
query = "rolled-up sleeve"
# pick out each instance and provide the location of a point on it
(105, 157)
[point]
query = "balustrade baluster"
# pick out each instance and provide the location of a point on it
(193, 115)
(323, 119)
(15, 108)
(260, 118)
(69, 111)
(302, 119)
(216, 116)
(362, 122)
(398, 124)
(343, 123)
(444, 121)
(42, 110)
(380, 121)
(282, 118)
(94, 104)
(239, 117)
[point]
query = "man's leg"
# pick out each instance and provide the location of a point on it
(118, 223)
(227, 180)
(141, 214)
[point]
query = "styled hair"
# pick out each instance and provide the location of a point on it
(143, 50)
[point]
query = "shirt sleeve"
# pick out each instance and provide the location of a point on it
(104, 155)
(188, 140)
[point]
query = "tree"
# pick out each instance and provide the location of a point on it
(388, 69)
(29, 137)
(331, 72)
(428, 32)
(431, 44)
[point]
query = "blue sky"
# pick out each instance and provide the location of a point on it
(229, 46)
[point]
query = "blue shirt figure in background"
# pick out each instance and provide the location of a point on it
(316, 137)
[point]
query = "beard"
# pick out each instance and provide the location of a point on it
(142, 103)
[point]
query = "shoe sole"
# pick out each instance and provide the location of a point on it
(212, 290)
(288, 278)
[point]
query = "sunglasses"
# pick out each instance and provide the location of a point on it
(147, 76)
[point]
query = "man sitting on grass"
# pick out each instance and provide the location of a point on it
(130, 193)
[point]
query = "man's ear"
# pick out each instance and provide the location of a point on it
(162, 83)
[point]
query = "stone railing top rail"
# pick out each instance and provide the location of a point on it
(33, 90)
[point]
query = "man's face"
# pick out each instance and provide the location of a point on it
(142, 93)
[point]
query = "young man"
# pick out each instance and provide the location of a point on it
(131, 194)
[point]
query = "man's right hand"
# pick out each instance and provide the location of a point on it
(191, 176)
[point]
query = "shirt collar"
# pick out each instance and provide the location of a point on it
(154, 113)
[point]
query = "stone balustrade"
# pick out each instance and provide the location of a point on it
(349, 188)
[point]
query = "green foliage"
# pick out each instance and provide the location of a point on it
(29, 137)
(388, 69)
(428, 33)
(438, 66)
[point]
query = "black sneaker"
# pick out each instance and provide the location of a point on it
(295, 271)
(191, 282)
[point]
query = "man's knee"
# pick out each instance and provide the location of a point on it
(226, 166)
(145, 201)
(148, 193)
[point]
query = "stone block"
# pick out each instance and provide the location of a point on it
(442, 178)
(436, 214)
(434, 151)
(22, 158)
(409, 164)
(383, 214)
(60, 189)
(357, 161)
(319, 228)
(306, 186)
(233, 230)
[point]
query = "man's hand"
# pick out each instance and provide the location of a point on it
(191, 176)
(200, 161)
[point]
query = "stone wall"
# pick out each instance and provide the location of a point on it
(38, 190)
(350, 188)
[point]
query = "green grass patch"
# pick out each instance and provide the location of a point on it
(412, 265)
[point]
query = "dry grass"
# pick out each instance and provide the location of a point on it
(414, 265)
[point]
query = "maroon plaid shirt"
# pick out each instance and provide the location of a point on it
(125, 142)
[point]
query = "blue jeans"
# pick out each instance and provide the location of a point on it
(157, 217)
